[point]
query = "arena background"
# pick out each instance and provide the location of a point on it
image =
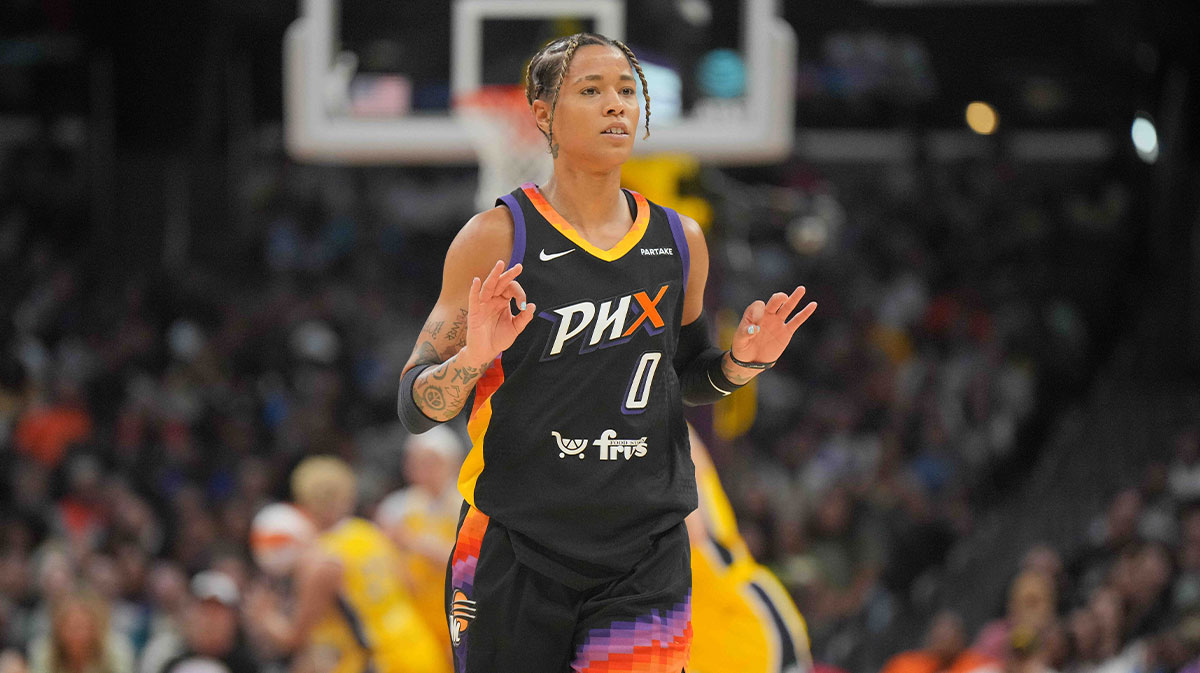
(1002, 375)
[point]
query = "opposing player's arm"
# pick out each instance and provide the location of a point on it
(476, 289)
(318, 577)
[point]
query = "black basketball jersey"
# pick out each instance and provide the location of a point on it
(579, 445)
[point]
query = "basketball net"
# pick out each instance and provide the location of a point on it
(510, 147)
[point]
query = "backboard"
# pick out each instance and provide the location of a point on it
(721, 75)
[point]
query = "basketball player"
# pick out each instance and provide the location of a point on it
(744, 619)
(422, 519)
(352, 614)
(571, 551)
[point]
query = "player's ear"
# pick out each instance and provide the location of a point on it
(541, 115)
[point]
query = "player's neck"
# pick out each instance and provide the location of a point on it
(591, 201)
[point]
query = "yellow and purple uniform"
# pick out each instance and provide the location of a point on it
(433, 521)
(742, 617)
(374, 626)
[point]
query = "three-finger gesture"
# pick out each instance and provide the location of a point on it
(491, 325)
(765, 329)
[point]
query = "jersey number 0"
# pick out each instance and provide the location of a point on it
(638, 394)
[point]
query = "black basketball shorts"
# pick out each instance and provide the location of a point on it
(505, 617)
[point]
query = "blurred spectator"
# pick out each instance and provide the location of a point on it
(1106, 604)
(1032, 602)
(1142, 575)
(80, 640)
(1159, 520)
(45, 431)
(81, 515)
(945, 650)
(842, 558)
(1106, 538)
(1044, 559)
(1083, 637)
(56, 581)
(1186, 590)
(168, 599)
(11, 661)
(1184, 475)
(1029, 651)
(212, 629)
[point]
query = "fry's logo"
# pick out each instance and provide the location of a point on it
(606, 320)
(611, 448)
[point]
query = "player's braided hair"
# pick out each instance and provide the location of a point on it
(550, 63)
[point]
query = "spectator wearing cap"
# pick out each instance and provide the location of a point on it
(421, 519)
(212, 633)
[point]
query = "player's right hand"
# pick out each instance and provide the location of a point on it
(491, 325)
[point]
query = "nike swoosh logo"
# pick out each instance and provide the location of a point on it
(546, 258)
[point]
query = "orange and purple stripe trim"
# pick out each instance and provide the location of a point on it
(656, 643)
(518, 215)
(631, 238)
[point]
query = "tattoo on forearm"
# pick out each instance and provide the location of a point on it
(458, 329)
(435, 328)
(427, 354)
(465, 374)
(444, 389)
(433, 398)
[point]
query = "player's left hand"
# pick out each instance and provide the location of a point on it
(765, 330)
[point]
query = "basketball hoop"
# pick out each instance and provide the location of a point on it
(510, 147)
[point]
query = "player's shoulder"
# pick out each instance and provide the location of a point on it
(691, 228)
(485, 238)
(494, 225)
(692, 233)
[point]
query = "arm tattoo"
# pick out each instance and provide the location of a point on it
(465, 374)
(458, 329)
(443, 390)
(433, 398)
(427, 354)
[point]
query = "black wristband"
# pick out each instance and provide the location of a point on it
(751, 365)
(697, 362)
(411, 417)
(718, 380)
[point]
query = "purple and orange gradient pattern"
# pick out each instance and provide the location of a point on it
(656, 643)
(466, 550)
(462, 569)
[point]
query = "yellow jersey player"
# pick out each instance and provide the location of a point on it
(743, 619)
(352, 613)
(421, 519)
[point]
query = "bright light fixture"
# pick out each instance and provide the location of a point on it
(1145, 138)
(982, 118)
